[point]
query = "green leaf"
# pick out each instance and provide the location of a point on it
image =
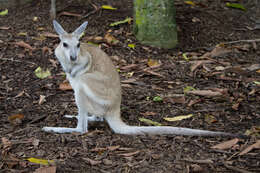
(94, 44)
(256, 82)
(190, 3)
(188, 88)
(40, 73)
(108, 7)
(149, 122)
(178, 118)
(131, 46)
(82, 35)
(184, 55)
(3, 13)
(157, 99)
(40, 161)
(235, 5)
(127, 20)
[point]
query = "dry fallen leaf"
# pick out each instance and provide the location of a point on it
(107, 162)
(95, 39)
(153, 63)
(110, 39)
(178, 118)
(129, 154)
(20, 94)
(65, 86)
(50, 35)
(177, 99)
(51, 169)
(113, 148)
(210, 118)
(193, 102)
(153, 73)
(226, 144)
(219, 50)
(148, 114)
(235, 106)
(42, 99)
(207, 93)
(6, 143)
(70, 14)
(5, 28)
(24, 45)
(97, 149)
(254, 131)
(196, 168)
(35, 142)
(128, 67)
(129, 81)
(251, 147)
(16, 118)
(196, 64)
(92, 162)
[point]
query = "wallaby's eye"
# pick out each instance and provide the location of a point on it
(65, 45)
(78, 45)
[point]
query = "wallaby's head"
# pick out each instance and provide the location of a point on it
(70, 41)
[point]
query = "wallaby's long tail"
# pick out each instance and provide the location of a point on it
(120, 127)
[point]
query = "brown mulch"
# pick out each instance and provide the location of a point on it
(232, 71)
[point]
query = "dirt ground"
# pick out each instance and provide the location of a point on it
(229, 74)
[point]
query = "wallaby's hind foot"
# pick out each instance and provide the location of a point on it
(63, 130)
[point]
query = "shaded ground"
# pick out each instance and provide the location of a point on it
(201, 28)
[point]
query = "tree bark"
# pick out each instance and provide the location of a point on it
(154, 23)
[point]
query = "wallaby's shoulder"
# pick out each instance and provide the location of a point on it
(93, 50)
(96, 52)
(100, 60)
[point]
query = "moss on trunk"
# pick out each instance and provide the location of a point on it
(154, 22)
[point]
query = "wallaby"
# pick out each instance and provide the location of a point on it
(97, 89)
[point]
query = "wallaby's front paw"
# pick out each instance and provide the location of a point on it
(71, 116)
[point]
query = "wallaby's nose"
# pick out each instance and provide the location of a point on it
(73, 58)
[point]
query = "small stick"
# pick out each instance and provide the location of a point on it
(236, 169)
(239, 41)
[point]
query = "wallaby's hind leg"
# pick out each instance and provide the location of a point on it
(91, 118)
(82, 126)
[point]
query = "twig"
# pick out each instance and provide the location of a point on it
(239, 41)
(6, 59)
(207, 161)
(236, 169)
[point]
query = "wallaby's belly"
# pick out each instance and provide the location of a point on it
(91, 99)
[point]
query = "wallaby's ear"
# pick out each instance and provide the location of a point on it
(80, 29)
(58, 28)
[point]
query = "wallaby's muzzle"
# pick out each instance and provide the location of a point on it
(73, 58)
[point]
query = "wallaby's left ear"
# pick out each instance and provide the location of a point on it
(58, 28)
(80, 29)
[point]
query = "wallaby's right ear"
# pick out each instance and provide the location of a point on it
(58, 28)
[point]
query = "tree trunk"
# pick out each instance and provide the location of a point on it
(154, 23)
